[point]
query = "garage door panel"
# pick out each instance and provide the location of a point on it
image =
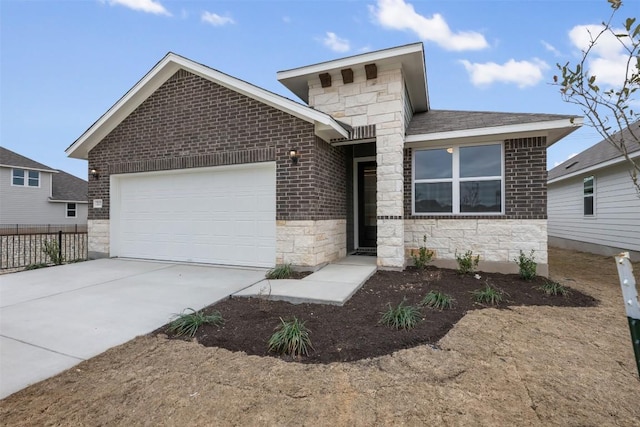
(218, 215)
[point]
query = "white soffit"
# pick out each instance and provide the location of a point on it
(410, 57)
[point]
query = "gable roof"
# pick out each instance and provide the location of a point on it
(410, 57)
(453, 124)
(597, 156)
(64, 187)
(68, 188)
(11, 159)
(326, 127)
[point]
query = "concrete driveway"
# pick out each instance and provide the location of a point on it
(53, 318)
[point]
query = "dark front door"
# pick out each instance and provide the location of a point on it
(367, 224)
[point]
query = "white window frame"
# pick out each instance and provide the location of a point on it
(25, 178)
(592, 195)
(75, 210)
(456, 180)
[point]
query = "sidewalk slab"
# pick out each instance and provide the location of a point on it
(343, 273)
(333, 284)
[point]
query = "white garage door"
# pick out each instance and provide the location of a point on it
(222, 215)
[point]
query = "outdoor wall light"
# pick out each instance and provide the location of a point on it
(94, 173)
(293, 154)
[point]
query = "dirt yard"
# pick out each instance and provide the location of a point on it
(524, 366)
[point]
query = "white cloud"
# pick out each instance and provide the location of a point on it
(398, 15)
(607, 60)
(335, 43)
(551, 48)
(521, 73)
(148, 6)
(215, 19)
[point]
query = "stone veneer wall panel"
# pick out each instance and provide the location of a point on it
(98, 232)
(497, 241)
(309, 244)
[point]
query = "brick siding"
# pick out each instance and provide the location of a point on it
(192, 122)
(525, 181)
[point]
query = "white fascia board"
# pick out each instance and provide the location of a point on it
(602, 165)
(350, 61)
(495, 130)
(160, 74)
(80, 202)
(28, 168)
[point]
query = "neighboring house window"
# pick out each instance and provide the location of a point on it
(588, 193)
(458, 180)
(25, 178)
(71, 210)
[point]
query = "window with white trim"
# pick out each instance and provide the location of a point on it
(71, 210)
(588, 187)
(25, 178)
(458, 180)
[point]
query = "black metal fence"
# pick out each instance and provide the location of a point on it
(9, 229)
(25, 246)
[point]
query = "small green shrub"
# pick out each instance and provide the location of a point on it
(554, 288)
(488, 295)
(52, 250)
(292, 338)
(437, 299)
(36, 266)
(467, 263)
(527, 265)
(187, 324)
(401, 317)
(424, 255)
(283, 271)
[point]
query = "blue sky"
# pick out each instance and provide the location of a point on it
(64, 63)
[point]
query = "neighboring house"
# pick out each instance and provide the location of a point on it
(34, 194)
(593, 204)
(196, 165)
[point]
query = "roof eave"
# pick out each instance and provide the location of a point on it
(28, 168)
(411, 58)
(601, 165)
(554, 130)
(160, 73)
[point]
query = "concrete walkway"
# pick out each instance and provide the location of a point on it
(54, 318)
(332, 284)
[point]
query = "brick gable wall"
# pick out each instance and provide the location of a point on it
(525, 181)
(192, 122)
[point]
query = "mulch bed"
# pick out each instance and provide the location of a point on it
(353, 332)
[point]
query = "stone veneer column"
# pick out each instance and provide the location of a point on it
(390, 198)
(378, 102)
(388, 117)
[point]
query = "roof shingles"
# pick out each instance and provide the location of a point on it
(65, 187)
(601, 152)
(436, 121)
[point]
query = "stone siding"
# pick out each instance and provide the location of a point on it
(497, 241)
(309, 244)
(98, 238)
(379, 102)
